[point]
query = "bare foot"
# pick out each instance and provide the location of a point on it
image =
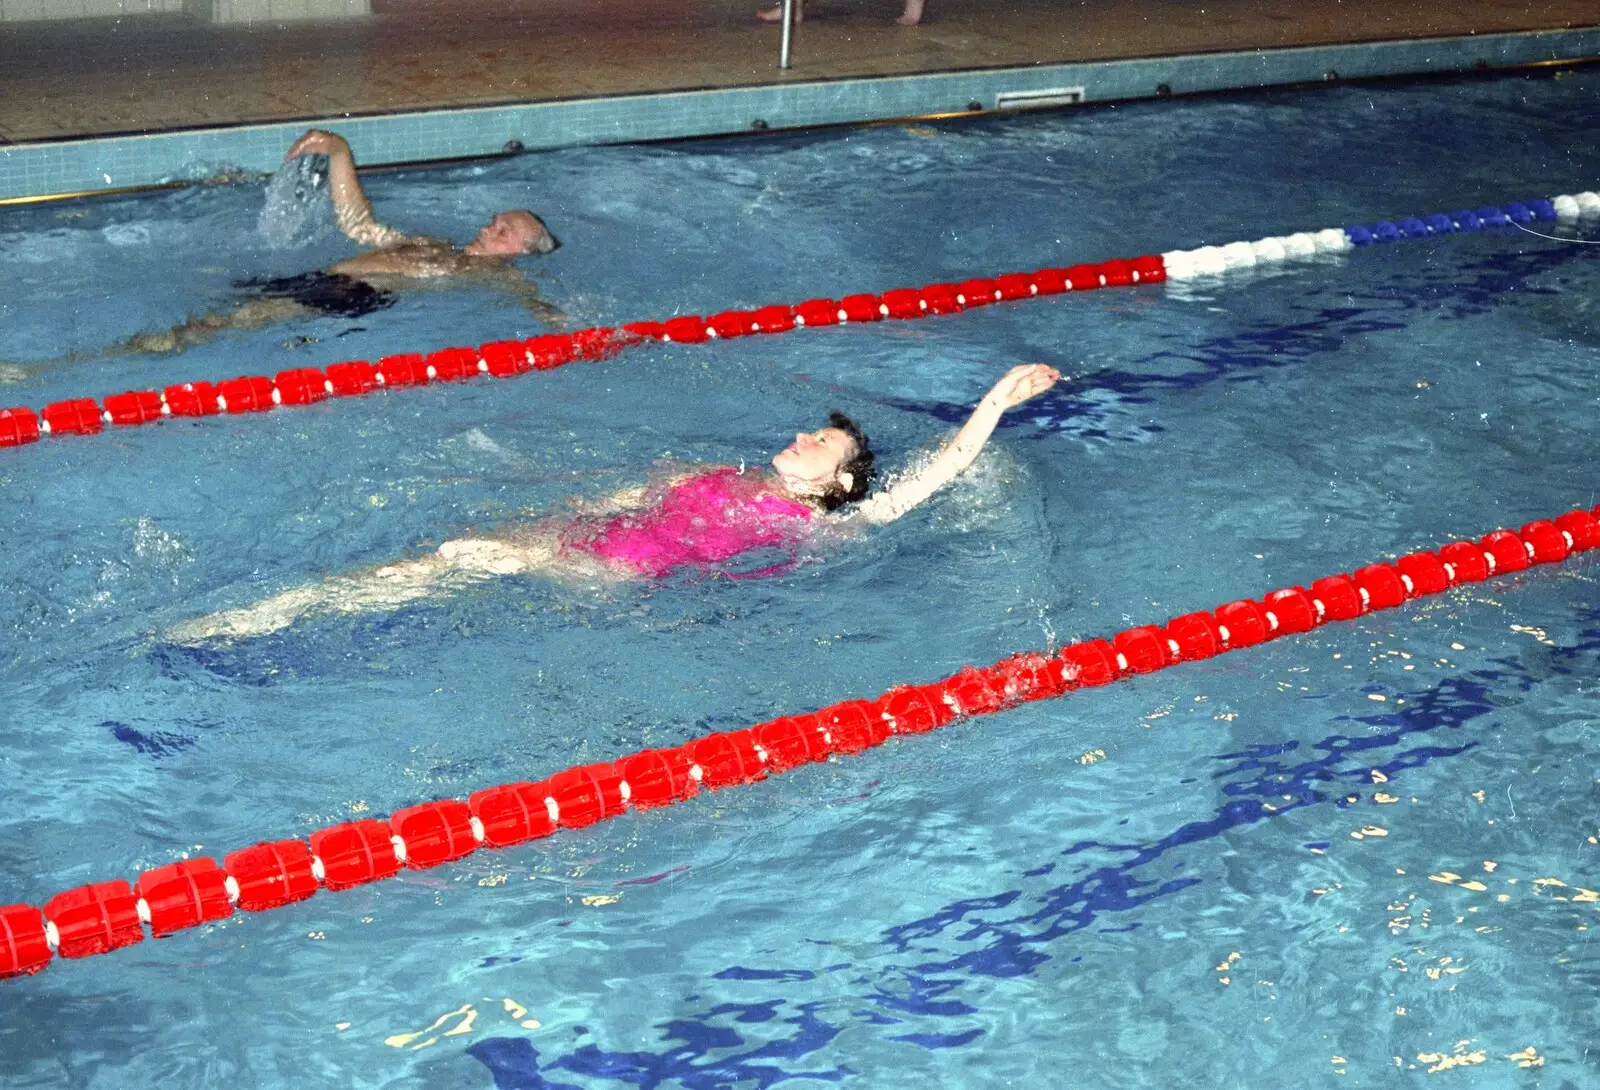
(156, 344)
(476, 554)
(913, 13)
(775, 15)
(275, 613)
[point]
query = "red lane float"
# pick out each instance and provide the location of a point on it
(25, 945)
(860, 308)
(941, 299)
(18, 426)
(98, 918)
(582, 796)
(191, 399)
(503, 359)
(271, 875)
(815, 312)
(512, 813)
(688, 329)
(902, 303)
(133, 407)
(80, 416)
(658, 777)
(401, 370)
(93, 919)
(733, 323)
(774, 319)
(355, 853)
(184, 894)
(245, 394)
(436, 832)
(353, 378)
(1193, 636)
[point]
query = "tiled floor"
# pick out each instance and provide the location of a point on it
(149, 73)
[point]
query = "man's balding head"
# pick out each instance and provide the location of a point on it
(511, 234)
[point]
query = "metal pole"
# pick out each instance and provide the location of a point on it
(788, 31)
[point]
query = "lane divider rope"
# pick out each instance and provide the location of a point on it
(502, 359)
(105, 916)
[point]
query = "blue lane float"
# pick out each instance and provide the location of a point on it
(1214, 260)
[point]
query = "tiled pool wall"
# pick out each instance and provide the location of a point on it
(93, 165)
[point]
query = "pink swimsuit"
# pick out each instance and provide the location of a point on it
(703, 519)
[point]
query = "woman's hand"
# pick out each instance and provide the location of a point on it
(1018, 385)
(1022, 382)
(318, 142)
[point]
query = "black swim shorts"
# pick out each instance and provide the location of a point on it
(330, 293)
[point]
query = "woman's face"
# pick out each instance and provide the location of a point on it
(815, 456)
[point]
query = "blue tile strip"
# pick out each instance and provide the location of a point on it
(109, 163)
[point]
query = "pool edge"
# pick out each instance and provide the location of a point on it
(88, 166)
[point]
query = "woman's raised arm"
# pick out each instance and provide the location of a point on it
(1019, 384)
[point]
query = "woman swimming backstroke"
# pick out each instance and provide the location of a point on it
(693, 519)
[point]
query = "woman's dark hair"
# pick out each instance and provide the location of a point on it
(859, 465)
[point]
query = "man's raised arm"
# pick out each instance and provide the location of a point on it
(350, 203)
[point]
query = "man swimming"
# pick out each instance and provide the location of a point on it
(359, 285)
(695, 519)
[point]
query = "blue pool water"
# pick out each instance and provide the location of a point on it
(1355, 857)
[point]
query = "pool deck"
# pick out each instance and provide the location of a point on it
(104, 104)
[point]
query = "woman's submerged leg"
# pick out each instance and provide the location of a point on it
(533, 548)
(464, 560)
(387, 587)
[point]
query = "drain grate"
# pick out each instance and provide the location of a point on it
(1032, 100)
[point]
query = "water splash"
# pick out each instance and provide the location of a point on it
(297, 209)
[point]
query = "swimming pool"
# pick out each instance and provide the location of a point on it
(1086, 891)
